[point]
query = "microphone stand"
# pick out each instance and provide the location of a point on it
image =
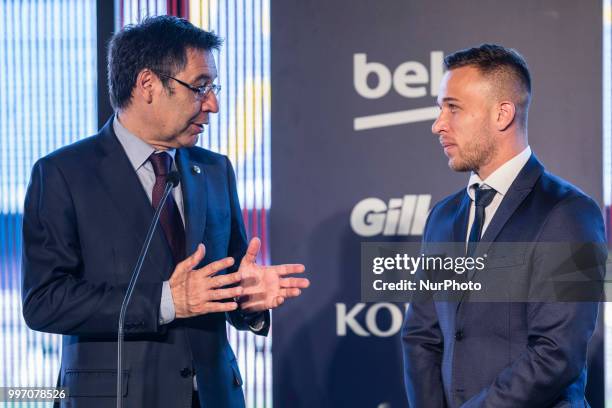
(172, 181)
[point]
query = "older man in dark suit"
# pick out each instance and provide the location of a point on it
(530, 352)
(87, 211)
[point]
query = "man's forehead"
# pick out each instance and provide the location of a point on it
(462, 76)
(200, 64)
(463, 81)
(443, 93)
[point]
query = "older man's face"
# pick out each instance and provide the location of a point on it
(181, 114)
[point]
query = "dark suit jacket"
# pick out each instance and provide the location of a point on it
(85, 218)
(507, 354)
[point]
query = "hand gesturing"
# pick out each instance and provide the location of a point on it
(200, 291)
(267, 287)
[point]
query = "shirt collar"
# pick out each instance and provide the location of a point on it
(503, 177)
(137, 150)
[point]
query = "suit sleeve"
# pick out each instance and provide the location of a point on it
(558, 332)
(237, 249)
(422, 346)
(55, 296)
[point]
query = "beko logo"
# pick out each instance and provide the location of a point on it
(410, 79)
(402, 216)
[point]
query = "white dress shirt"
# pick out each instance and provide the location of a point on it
(500, 180)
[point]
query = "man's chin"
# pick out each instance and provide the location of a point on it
(189, 140)
(459, 166)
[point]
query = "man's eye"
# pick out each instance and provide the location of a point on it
(452, 108)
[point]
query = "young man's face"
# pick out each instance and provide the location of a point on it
(181, 114)
(465, 121)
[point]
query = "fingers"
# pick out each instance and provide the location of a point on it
(288, 269)
(258, 305)
(228, 293)
(215, 266)
(193, 260)
(181, 271)
(290, 292)
(212, 301)
(224, 280)
(252, 251)
(219, 307)
(294, 283)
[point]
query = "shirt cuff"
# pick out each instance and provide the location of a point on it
(166, 308)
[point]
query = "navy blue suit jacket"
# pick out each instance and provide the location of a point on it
(507, 354)
(85, 218)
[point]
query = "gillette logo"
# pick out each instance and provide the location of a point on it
(401, 216)
(410, 79)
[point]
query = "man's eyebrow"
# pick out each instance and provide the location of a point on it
(203, 77)
(448, 99)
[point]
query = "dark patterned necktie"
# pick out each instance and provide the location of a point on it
(483, 197)
(170, 218)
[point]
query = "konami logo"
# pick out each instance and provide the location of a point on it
(401, 216)
(410, 79)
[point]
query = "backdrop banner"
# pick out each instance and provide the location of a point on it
(354, 84)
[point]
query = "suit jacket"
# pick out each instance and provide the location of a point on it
(85, 219)
(507, 354)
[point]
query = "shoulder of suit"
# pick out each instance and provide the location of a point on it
(567, 212)
(206, 156)
(81, 150)
(449, 203)
(557, 190)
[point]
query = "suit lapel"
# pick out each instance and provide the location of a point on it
(193, 186)
(518, 191)
(460, 231)
(118, 177)
(461, 219)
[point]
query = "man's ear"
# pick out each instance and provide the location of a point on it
(506, 113)
(145, 84)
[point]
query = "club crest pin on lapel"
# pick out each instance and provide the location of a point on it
(195, 169)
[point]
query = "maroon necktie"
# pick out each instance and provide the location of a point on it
(170, 217)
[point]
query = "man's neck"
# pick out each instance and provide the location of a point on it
(135, 126)
(501, 158)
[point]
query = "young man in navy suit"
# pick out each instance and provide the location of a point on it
(527, 353)
(87, 211)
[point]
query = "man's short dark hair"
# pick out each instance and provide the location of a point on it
(159, 43)
(505, 66)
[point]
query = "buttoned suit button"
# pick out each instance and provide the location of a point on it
(186, 372)
(459, 335)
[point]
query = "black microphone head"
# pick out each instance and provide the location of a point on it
(173, 177)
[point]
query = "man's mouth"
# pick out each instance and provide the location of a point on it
(447, 146)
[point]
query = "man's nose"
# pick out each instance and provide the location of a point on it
(210, 103)
(439, 125)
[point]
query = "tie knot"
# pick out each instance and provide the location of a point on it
(161, 163)
(483, 196)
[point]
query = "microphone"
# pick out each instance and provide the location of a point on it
(172, 180)
(173, 177)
